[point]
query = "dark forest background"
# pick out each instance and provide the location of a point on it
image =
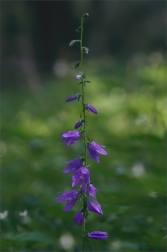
(35, 34)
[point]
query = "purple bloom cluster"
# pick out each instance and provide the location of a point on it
(72, 197)
(85, 192)
(81, 176)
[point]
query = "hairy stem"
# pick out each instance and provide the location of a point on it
(84, 118)
(83, 93)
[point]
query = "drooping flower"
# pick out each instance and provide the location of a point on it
(95, 148)
(98, 235)
(78, 217)
(71, 197)
(93, 154)
(94, 206)
(73, 98)
(91, 190)
(79, 75)
(92, 109)
(78, 124)
(70, 136)
(82, 175)
(73, 165)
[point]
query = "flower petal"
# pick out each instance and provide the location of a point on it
(91, 190)
(93, 153)
(94, 206)
(98, 148)
(86, 178)
(70, 204)
(76, 177)
(67, 195)
(82, 175)
(72, 140)
(74, 164)
(70, 133)
(65, 139)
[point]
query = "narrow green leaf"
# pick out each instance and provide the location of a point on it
(73, 42)
(77, 64)
(78, 29)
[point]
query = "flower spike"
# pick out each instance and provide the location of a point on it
(85, 194)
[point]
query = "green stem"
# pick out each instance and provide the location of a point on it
(83, 236)
(84, 118)
(83, 94)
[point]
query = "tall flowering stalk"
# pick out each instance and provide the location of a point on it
(85, 194)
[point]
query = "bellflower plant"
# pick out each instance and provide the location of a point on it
(84, 192)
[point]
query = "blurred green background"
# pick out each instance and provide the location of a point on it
(127, 69)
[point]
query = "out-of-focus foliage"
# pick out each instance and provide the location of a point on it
(35, 34)
(131, 100)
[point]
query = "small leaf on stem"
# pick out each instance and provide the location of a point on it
(78, 29)
(85, 49)
(77, 64)
(73, 42)
(86, 15)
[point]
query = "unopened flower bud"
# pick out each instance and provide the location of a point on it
(79, 75)
(98, 235)
(78, 124)
(78, 218)
(91, 109)
(72, 98)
